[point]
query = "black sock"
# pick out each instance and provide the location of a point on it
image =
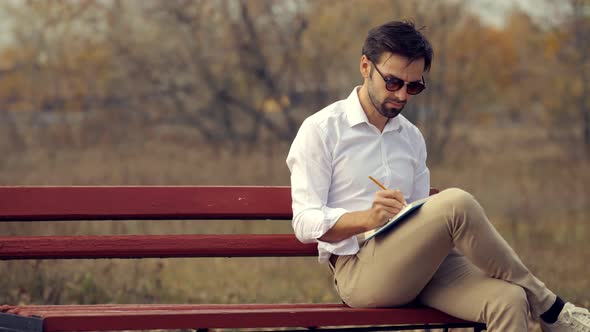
(550, 316)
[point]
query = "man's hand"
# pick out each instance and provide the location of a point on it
(386, 204)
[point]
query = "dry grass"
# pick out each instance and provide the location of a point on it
(532, 190)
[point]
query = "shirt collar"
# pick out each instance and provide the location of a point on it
(355, 113)
(354, 110)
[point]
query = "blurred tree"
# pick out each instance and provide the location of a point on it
(567, 99)
(245, 71)
(577, 53)
(62, 65)
(226, 68)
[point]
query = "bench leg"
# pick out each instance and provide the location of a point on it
(16, 323)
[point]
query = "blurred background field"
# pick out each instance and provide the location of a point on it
(212, 92)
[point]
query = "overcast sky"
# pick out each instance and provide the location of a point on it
(494, 11)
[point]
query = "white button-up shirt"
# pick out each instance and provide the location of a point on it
(334, 152)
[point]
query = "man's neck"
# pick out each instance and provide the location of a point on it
(374, 117)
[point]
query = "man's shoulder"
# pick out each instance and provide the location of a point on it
(409, 127)
(329, 115)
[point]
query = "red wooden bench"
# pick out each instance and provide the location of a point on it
(176, 202)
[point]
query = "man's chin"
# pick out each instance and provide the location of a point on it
(390, 112)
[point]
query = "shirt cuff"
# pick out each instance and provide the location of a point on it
(349, 246)
(331, 216)
(345, 247)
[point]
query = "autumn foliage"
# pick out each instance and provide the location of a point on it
(245, 71)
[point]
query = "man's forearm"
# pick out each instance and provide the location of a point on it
(387, 203)
(349, 224)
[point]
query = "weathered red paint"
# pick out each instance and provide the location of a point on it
(135, 317)
(144, 202)
(144, 246)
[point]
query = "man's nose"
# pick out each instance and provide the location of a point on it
(402, 94)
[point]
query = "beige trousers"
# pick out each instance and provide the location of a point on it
(447, 256)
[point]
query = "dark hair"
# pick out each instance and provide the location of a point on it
(398, 37)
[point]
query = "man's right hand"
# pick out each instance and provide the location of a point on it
(386, 204)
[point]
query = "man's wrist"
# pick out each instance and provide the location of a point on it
(365, 221)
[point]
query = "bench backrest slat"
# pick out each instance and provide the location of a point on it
(144, 202)
(153, 246)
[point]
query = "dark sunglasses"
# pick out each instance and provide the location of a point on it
(394, 83)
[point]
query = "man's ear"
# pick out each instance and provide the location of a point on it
(365, 66)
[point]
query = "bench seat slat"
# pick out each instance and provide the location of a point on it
(151, 306)
(144, 202)
(152, 246)
(171, 316)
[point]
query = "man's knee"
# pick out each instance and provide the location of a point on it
(460, 199)
(516, 296)
(510, 300)
(457, 195)
(507, 309)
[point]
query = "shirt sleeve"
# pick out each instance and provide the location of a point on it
(422, 174)
(310, 163)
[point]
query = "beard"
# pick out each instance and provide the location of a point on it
(390, 112)
(386, 111)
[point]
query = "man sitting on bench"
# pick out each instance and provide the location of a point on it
(446, 255)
